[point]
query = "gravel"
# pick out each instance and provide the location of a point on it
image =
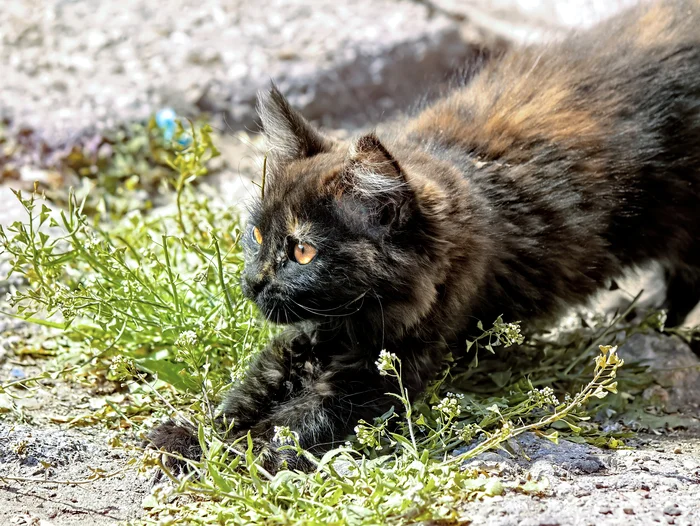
(650, 484)
(33, 453)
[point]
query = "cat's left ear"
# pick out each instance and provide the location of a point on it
(289, 135)
(375, 177)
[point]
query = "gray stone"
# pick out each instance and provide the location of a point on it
(548, 458)
(674, 367)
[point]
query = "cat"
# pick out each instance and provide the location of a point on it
(519, 193)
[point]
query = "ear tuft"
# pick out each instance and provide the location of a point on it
(369, 154)
(374, 177)
(289, 135)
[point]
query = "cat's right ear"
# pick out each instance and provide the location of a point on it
(374, 179)
(288, 134)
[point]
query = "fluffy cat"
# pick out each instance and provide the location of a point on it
(519, 193)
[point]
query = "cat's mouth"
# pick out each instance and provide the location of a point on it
(279, 312)
(277, 308)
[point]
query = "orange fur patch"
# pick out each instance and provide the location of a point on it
(441, 122)
(292, 224)
(536, 106)
(548, 114)
(655, 26)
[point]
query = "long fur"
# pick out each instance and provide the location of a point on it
(518, 194)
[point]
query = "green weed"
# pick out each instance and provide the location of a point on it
(152, 301)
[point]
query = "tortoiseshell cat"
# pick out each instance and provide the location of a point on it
(520, 193)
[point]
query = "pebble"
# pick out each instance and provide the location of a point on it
(672, 510)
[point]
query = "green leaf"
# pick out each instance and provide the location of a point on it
(493, 487)
(552, 437)
(220, 481)
(45, 213)
(175, 374)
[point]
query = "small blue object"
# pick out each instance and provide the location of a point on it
(166, 121)
(17, 373)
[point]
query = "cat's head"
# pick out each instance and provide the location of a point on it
(338, 230)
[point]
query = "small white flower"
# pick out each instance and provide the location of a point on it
(91, 242)
(450, 406)
(468, 432)
(366, 435)
(284, 436)
(122, 368)
(385, 363)
(186, 339)
(509, 333)
(544, 396)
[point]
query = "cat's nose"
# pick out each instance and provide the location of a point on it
(255, 285)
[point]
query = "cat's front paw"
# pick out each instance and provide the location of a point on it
(275, 456)
(178, 438)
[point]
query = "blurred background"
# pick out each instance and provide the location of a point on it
(80, 78)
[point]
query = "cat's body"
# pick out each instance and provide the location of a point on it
(519, 194)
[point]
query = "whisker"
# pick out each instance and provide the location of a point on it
(328, 312)
(381, 309)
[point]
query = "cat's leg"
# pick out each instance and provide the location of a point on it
(682, 294)
(250, 402)
(318, 391)
(269, 380)
(330, 399)
(322, 416)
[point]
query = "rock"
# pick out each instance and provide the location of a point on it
(30, 448)
(672, 510)
(674, 367)
(548, 458)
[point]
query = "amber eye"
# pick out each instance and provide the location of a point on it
(304, 253)
(257, 235)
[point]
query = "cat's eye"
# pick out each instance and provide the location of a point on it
(257, 235)
(304, 253)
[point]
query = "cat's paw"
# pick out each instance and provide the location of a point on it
(178, 438)
(274, 456)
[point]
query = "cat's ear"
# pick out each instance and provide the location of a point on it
(289, 135)
(375, 177)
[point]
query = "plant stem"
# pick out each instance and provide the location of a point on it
(171, 278)
(220, 271)
(603, 334)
